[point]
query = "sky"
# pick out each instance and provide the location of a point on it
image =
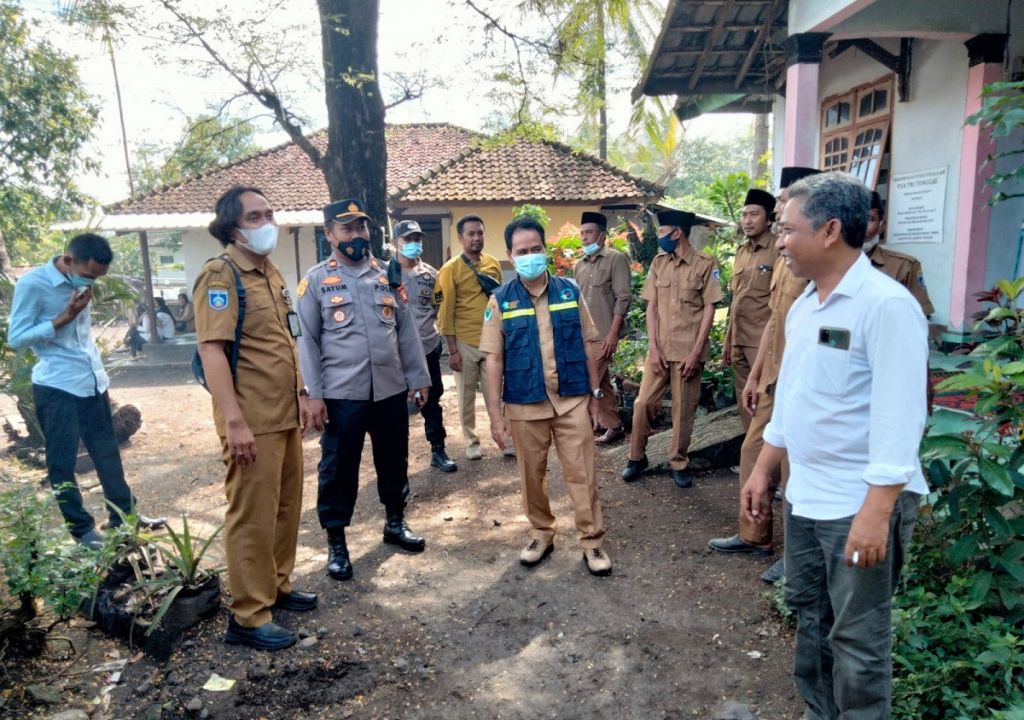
(441, 37)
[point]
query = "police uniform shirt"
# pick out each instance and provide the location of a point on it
(419, 285)
(751, 288)
(786, 288)
(492, 340)
(357, 336)
(604, 282)
(682, 286)
(267, 381)
(904, 269)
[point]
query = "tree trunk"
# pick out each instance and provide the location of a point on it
(602, 87)
(356, 161)
(5, 259)
(758, 166)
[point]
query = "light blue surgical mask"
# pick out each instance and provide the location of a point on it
(412, 250)
(80, 282)
(531, 266)
(591, 249)
(666, 243)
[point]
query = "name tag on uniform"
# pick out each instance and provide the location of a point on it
(293, 324)
(764, 268)
(833, 337)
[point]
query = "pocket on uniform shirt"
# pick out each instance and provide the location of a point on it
(338, 316)
(691, 292)
(517, 348)
(831, 370)
(386, 308)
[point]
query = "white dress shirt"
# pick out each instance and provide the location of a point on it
(850, 417)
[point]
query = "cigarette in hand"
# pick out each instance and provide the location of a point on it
(856, 557)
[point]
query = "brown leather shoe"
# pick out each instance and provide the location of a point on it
(611, 435)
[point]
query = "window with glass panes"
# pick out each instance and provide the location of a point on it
(855, 130)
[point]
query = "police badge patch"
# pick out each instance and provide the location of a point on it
(218, 299)
(567, 294)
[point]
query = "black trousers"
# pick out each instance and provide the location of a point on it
(65, 419)
(341, 444)
(433, 423)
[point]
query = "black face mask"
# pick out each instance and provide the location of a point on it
(355, 249)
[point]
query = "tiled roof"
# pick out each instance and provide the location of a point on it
(288, 177)
(526, 171)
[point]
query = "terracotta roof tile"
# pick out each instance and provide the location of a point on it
(526, 171)
(286, 174)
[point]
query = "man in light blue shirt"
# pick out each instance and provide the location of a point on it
(50, 315)
(850, 409)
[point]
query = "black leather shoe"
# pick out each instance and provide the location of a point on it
(439, 459)
(634, 469)
(682, 479)
(269, 636)
(775, 573)
(295, 601)
(736, 544)
(396, 532)
(339, 566)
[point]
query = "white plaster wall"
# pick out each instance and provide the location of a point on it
(778, 139)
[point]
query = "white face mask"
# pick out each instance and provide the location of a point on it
(261, 240)
(870, 244)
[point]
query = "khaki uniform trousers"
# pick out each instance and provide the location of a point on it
(610, 404)
(742, 360)
(574, 443)
(759, 533)
(685, 395)
(465, 384)
(261, 526)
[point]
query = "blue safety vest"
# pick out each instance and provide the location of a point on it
(524, 370)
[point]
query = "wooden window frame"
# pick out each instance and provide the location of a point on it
(857, 125)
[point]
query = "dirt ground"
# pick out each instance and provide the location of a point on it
(462, 630)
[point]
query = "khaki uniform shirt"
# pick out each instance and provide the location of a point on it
(358, 335)
(460, 298)
(267, 380)
(681, 287)
(419, 284)
(604, 281)
(492, 340)
(904, 269)
(751, 288)
(786, 288)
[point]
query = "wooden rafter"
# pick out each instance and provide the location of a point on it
(762, 35)
(709, 42)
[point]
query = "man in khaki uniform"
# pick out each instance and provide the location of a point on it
(603, 277)
(681, 290)
(757, 396)
(542, 350)
(904, 269)
(462, 298)
(751, 283)
(260, 415)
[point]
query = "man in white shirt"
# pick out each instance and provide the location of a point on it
(850, 408)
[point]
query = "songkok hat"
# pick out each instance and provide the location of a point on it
(677, 218)
(756, 196)
(596, 218)
(792, 173)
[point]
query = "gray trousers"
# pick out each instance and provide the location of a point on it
(843, 665)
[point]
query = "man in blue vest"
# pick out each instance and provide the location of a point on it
(542, 349)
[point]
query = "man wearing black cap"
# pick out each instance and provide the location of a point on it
(361, 358)
(904, 269)
(681, 290)
(418, 278)
(755, 537)
(603, 276)
(751, 286)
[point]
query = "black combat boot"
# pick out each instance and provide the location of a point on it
(396, 532)
(439, 459)
(339, 566)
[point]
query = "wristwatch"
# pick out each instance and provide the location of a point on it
(304, 392)
(598, 393)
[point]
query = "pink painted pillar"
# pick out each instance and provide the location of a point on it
(802, 102)
(970, 248)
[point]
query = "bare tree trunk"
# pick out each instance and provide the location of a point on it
(5, 259)
(758, 166)
(355, 164)
(602, 87)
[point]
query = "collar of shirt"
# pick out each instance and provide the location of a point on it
(536, 293)
(851, 283)
(355, 271)
(419, 268)
(55, 276)
(686, 257)
(599, 254)
(240, 259)
(877, 255)
(762, 240)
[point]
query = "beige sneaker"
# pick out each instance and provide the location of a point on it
(535, 552)
(473, 452)
(598, 562)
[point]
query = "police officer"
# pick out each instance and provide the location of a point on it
(361, 357)
(904, 269)
(418, 278)
(603, 277)
(542, 350)
(681, 290)
(259, 414)
(751, 283)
